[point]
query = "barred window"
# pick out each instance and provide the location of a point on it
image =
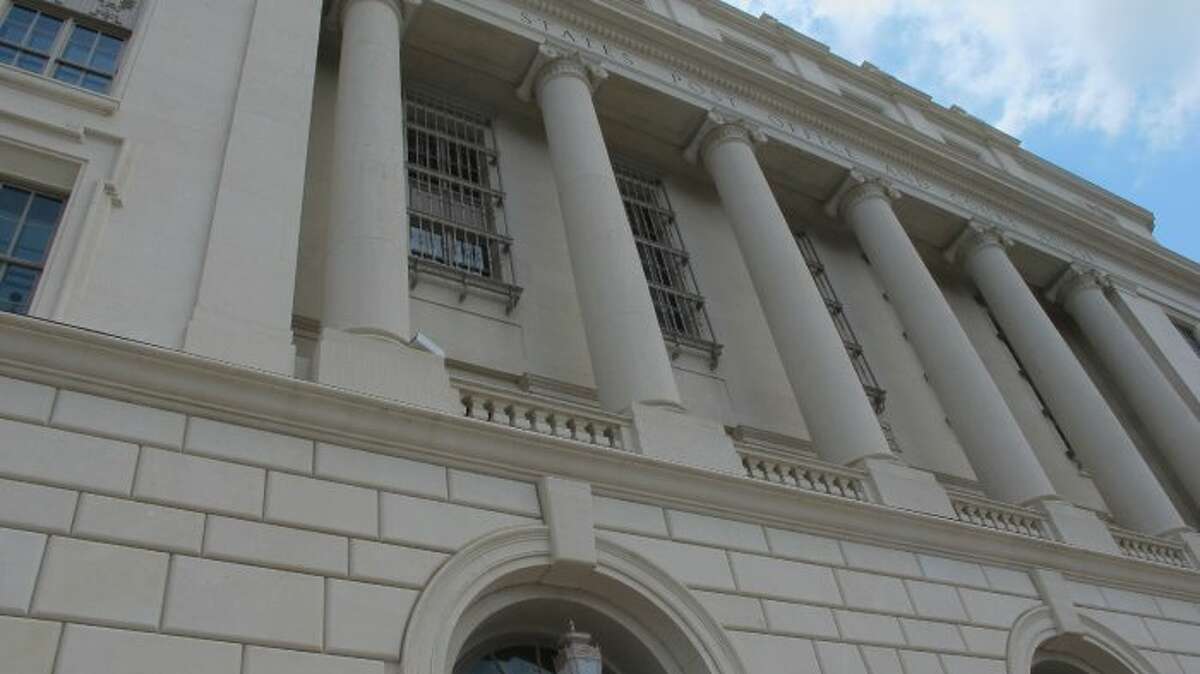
(677, 302)
(28, 221)
(31, 39)
(455, 217)
(1189, 335)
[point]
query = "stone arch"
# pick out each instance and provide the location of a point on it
(515, 565)
(1036, 629)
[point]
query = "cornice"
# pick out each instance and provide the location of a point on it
(65, 356)
(987, 188)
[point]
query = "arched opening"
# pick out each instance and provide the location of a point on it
(1037, 645)
(500, 607)
(1071, 654)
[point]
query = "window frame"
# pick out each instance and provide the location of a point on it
(40, 267)
(54, 57)
(673, 275)
(461, 211)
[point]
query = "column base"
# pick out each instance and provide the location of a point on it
(223, 337)
(1079, 527)
(665, 432)
(908, 488)
(383, 368)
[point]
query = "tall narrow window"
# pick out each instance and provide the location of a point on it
(455, 198)
(31, 39)
(28, 221)
(677, 302)
(1189, 335)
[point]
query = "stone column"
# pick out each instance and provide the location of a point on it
(843, 426)
(365, 316)
(366, 258)
(1129, 487)
(629, 356)
(1171, 424)
(995, 446)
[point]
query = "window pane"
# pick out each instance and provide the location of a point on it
(39, 229)
(7, 55)
(16, 24)
(96, 83)
(31, 62)
(12, 207)
(107, 52)
(79, 47)
(45, 30)
(16, 288)
(69, 74)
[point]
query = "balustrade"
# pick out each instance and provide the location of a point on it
(538, 415)
(991, 514)
(809, 475)
(1150, 548)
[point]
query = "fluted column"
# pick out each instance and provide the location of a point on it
(1171, 424)
(629, 356)
(995, 446)
(1129, 487)
(366, 259)
(840, 419)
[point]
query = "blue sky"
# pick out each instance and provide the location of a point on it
(1108, 89)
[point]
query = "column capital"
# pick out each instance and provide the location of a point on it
(977, 236)
(1076, 278)
(719, 127)
(856, 187)
(555, 61)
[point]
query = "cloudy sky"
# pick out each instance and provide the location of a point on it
(1108, 89)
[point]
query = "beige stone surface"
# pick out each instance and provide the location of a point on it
(628, 516)
(101, 583)
(805, 547)
(933, 635)
(366, 620)
(20, 556)
(25, 400)
(248, 445)
(952, 571)
(881, 660)
(126, 652)
(733, 611)
(841, 658)
(488, 491)
(282, 547)
(885, 560)
(791, 618)
(996, 610)
(222, 600)
(764, 652)
(985, 641)
(384, 563)
(126, 421)
(200, 483)
(393, 473)
(869, 627)
(961, 664)
(28, 646)
(122, 521)
(1008, 580)
(921, 662)
(715, 531)
(36, 506)
(872, 592)
(320, 504)
(784, 579)
(934, 600)
(690, 564)
(65, 459)
(443, 526)
(261, 660)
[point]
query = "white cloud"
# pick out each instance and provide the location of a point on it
(1113, 66)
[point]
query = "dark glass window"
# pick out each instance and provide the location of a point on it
(28, 221)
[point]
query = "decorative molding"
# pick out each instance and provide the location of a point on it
(974, 237)
(58, 91)
(1037, 626)
(858, 186)
(74, 358)
(721, 126)
(1077, 277)
(555, 61)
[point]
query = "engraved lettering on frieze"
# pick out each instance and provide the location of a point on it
(578, 38)
(699, 88)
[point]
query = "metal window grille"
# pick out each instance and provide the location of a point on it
(30, 39)
(666, 264)
(1189, 336)
(455, 197)
(28, 222)
(858, 359)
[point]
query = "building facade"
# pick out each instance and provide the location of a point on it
(374, 336)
